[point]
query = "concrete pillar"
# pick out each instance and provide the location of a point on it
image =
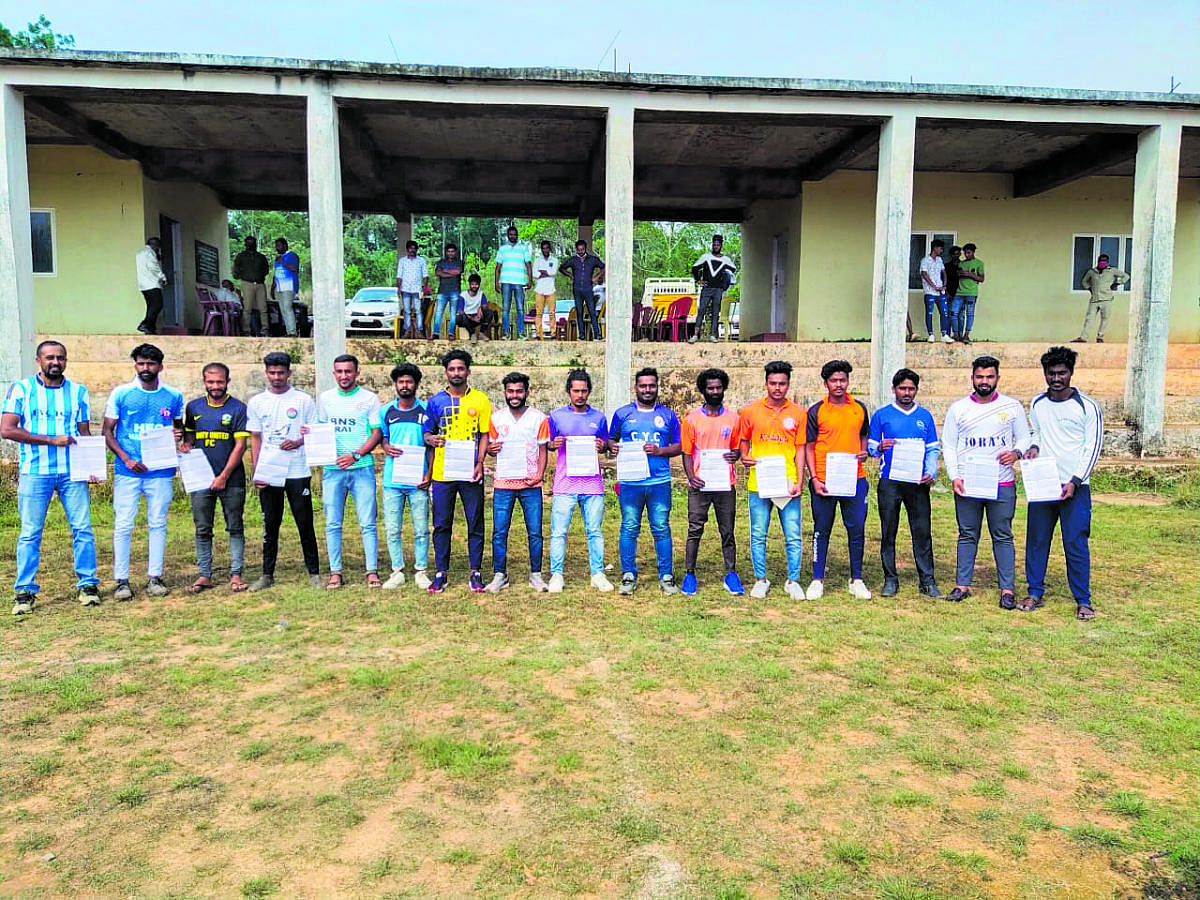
(893, 222)
(1155, 192)
(404, 232)
(618, 254)
(584, 234)
(325, 233)
(16, 253)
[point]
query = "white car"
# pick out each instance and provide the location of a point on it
(373, 309)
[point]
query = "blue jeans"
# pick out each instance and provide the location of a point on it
(360, 484)
(410, 308)
(962, 314)
(562, 508)
(394, 499)
(940, 301)
(1075, 518)
(503, 501)
(34, 493)
(127, 489)
(445, 304)
(854, 518)
(793, 540)
(514, 295)
(655, 500)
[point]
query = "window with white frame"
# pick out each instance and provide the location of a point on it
(919, 248)
(1087, 247)
(43, 234)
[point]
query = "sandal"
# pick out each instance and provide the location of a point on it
(373, 580)
(200, 585)
(1084, 613)
(1029, 604)
(335, 581)
(236, 584)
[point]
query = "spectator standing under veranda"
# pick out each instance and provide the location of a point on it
(412, 275)
(1103, 281)
(513, 276)
(449, 271)
(251, 269)
(962, 310)
(286, 283)
(716, 273)
(545, 267)
(151, 280)
(933, 283)
(586, 270)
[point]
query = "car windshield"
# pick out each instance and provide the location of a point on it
(375, 295)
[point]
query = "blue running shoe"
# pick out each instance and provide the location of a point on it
(477, 582)
(438, 584)
(688, 586)
(733, 584)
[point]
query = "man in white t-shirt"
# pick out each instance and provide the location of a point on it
(412, 277)
(545, 267)
(933, 283)
(275, 419)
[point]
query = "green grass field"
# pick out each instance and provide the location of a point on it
(305, 743)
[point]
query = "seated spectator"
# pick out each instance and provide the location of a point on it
(228, 293)
(477, 315)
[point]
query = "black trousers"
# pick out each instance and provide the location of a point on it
(299, 497)
(485, 321)
(724, 504)
(891, 495)
(586, 316)
(154, 305)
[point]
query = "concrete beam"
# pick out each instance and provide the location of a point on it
(828, 161)
(1155, 195)
(62, 116)
(325, 233)
(1095, 154)
(618, 252)
(362, 157)
(591, 201)
(893, 221)
(16, 252)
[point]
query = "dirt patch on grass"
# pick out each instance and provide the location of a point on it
(1132, 498)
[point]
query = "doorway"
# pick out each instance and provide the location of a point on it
(779, 255)
(170, 234)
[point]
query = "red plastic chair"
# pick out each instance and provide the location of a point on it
(216, 321)
(675, 321)
(638, 319)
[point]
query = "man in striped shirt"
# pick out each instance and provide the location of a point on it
(43, 414)
(1068, 426)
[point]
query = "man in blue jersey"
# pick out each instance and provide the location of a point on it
(403, 422)
(44, 413)
(354, 413)
(645, 427)
(905, 420)
(133, 410)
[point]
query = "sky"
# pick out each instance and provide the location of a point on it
(1095, 45)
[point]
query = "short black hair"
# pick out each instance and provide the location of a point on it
(970, 247)
(1100, 257)
(955, 248)
(579, 375)
(903, 375)
(474, 278)
(719, 237)
(937, 242)
(408, 244)
(778, 367)
(546, 244)
(515, 378)
(1059, 356)
(216, 365)
(581, 243)
(283, 241)
(836, 365)
(453, 355)
(406, 369)
(276, 360)
(708, 375)
(146, 351)
(38, 351)
(646, 372)
(346, 357)
(449, 246)
(985, 362)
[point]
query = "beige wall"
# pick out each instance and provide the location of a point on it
(765, 219)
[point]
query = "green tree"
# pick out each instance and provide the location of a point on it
(39, 35)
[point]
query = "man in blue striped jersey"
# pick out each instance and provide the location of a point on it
(43, 414)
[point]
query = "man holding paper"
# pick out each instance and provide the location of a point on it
(578, 433)
(142, 422)
(457, 425)
(354, 414)
(904, 436)
(772, 434)
(835, 447)
(646, 432)
(1067, 428)
(984, 434)
(217, 423)
(519, 435)
(406, 476)
(710, 440)
(46, 414)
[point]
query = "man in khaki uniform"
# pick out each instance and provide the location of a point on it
(1102, 280)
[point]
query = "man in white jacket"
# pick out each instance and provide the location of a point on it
(151, 280)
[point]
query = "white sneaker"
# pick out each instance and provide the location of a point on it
(859, 589)
(693, 339)
(712, 338)
(421, 580)
(600, 583)
(667, 585)
(628, 584)
(931, 340)
(946, 339)
(394, 580)
(498, 583)
(816, 590)
(793, 589)
(761, 586)
(556, 583)
(537, 582)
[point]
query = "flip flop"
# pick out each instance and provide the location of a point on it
(373, 580)
(335, 582)
(1084, 613)
(199, 587)
(238, 586)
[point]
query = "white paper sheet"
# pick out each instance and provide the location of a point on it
(320, 444)
(711, 467)
(458, 464)
(632, 462)
(408, 469)
(981, 478)
(195, 470)
(273, 465)
(907, 460)
(158, 447)
(1040, 477)
(841, 474)
(88, 458)
(512, 462)
(581, 456)
(771, 475)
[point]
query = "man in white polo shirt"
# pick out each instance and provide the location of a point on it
(545, 267)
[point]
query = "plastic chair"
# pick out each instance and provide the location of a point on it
(638, 319)
(215, 318)
(675, 322)
(600, 319)
(649, 329)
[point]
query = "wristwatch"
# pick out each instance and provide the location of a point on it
(357, 456)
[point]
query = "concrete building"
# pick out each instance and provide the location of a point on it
(839, 185)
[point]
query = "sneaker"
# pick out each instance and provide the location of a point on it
(1008, 601)
(421, 580)
(156, 587)
(476, 582)
(891, 587)
(793, 589)
(1099, 340)
(931, 340)
(930, 589)
(712, 338)
(966, 338)
(123, 591)
(537, 582)
(89, 595)
(628, 583)
(23, 603)
(394, 580)
(261, 583)
(946, 339)
(859, 590)
(733, 584)
(667, 585)
(556, 584)
(438, 584)
(498, 583)
(958, 595)
(1079, 340)
(761, 586)
(693, 339)
(315, 580)
(689, 585)
(816, 590)
(600, 583)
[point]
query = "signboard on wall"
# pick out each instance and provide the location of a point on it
(208, 264)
